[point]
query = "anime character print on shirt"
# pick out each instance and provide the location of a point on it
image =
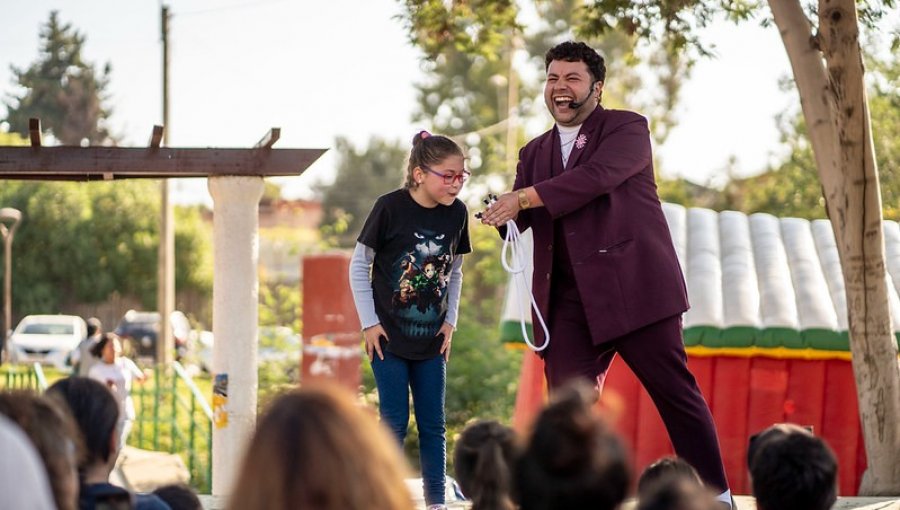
(421, 277)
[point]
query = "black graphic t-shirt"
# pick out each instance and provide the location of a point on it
(414, 248)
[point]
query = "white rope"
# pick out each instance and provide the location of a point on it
(512, 247)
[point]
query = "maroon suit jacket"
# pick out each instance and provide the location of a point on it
(605, 200)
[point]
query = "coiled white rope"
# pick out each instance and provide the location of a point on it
(514, 259)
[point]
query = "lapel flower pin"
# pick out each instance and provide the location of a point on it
(581, 141)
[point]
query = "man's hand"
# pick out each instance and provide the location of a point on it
(505, 208)
(447, 331)
(372, 335)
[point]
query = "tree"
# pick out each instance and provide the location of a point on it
(62, 90)
(83, 242)
(825, 55)
(476, 92)
(827, 64)
(362, 176)
(792, 187)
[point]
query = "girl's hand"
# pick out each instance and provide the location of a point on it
(447, 331)
(372, 334)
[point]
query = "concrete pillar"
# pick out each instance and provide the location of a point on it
(235, 319)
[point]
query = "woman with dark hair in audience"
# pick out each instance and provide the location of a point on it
(97, 414)
(485, 454)
(54, 435)
(572, 459)
(316, 448)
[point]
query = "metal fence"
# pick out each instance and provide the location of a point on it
(23, 377)
(172, 414)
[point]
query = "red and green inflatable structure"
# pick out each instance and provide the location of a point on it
(766, 338)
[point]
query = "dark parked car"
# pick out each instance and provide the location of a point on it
(140, 330)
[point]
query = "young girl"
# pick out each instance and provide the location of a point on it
(486, 452)
(116, 372)
(413, 240)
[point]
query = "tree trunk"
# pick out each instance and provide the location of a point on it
(828, 70)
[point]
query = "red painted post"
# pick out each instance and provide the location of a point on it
(331, 338)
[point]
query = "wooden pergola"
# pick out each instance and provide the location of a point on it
(236, 185)
(152, 162)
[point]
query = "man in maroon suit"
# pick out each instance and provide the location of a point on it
(606, 275)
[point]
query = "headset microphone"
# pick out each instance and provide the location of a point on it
(578, 104)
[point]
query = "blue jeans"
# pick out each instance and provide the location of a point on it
(395, 376)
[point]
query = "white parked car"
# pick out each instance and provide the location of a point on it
(46, 338)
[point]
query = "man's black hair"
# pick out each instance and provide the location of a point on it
(572, 51)
(95, 411)
(792, 469)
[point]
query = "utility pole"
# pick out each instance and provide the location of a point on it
(165, 301)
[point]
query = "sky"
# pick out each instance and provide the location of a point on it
(323, 69)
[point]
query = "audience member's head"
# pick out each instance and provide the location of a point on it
(572, 459)
(317, 448)
(485, 454)
(107, 348)
(676, 493)
(23, 480)
(96, 412)
(179, 497)
(94, 326)
(51, 429)
(666, 470)
(790, 468)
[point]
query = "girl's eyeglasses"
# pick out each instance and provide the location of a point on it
(450, 178)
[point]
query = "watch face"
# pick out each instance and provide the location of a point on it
(523, 200)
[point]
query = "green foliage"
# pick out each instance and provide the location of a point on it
(271, 192)
(792, 188)
(63, 90)
(279, 305)
(625, 86)
(467, 94)
(165, 422)
(12, 139)
(884, 109)
(675, 21)
(473, 27)
(84, 241)
(362, 176)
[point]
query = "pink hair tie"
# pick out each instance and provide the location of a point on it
(424, 134)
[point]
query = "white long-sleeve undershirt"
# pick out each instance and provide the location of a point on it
(364, 297)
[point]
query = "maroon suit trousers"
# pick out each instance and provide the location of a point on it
(655, 353)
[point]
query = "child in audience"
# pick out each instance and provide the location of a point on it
(791, 469)
(572, 459)
(485, 453)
